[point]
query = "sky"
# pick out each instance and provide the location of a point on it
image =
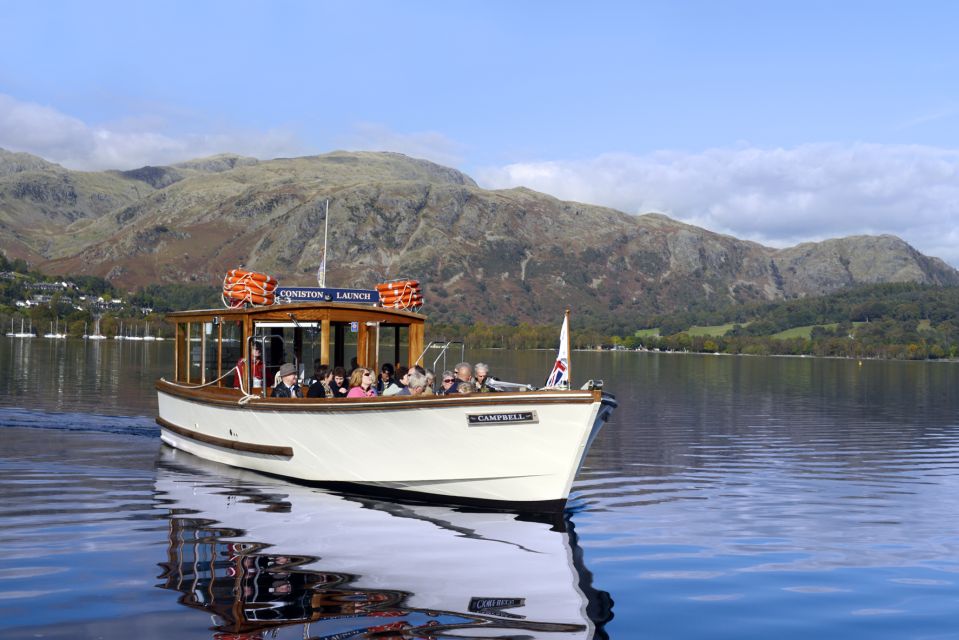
(775, 121)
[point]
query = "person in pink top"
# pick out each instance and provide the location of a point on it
(361, 384)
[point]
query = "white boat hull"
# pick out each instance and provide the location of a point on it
(428, 447)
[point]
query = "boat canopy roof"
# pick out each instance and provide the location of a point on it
(306, 311)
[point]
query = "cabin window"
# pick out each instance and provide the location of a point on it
(298, 343)
(344, 347)
(231, 350)
(195, 341)
(211, 351)
(182, 330)
(394, 344)
(311, 347)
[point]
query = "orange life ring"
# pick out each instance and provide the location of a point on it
(252, 287)
(406, 300)
(398, 285)
(247, 296)
(253, 275)
(267, 286)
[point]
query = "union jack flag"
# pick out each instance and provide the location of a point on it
(559, 376)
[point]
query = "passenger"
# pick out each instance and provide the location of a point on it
(430, 383)
(386, 378)
(257, 369)
(340, 385)
(466, 387)
(418, 384)
(398, 387)
(308, 382)
(323, 378)
(464, 373)
(448, 384)
(361, 384)
(287, 387)
(481, 375)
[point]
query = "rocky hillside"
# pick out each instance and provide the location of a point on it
(509, 255)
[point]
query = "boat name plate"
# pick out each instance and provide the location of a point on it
(307, 294)
(495, 606)
(515, 417)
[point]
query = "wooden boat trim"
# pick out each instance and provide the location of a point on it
(265, 449)
(484, 401)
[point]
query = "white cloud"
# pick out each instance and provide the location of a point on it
(778, 197)
(135, 142)
(429, 145)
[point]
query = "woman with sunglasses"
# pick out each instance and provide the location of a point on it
(361, 384)
(448, 384)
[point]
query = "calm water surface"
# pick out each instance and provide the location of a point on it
(727, 498)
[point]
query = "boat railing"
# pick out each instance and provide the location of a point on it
(444, 346)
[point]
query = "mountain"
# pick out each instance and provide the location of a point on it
(506, 255)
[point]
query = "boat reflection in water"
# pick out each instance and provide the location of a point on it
(266, 557)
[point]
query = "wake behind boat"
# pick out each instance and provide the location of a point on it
(517, 450)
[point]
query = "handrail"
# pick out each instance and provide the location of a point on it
(446, 345)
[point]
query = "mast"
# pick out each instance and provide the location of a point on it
(326, 227)
(569, 353)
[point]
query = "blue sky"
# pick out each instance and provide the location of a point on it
(779, 122)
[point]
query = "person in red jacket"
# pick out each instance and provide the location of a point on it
(257, 369)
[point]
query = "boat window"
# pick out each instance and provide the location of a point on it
(394, 344)
(297, 343)
(211, 351)
(182, 330)
(311, 348)
(231, 349)
(344, 348)
(195, 340)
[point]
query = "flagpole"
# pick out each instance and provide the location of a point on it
(326, 227)
(569, 353)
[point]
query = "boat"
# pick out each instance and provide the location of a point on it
(96, 335)
(261, 555)
(513, 449)
(21, 333)
(55, 332)
(146, 334)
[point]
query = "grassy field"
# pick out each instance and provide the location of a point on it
(647, 333)
(805, 332)
(717, 330)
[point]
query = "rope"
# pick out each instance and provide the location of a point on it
(247, 396)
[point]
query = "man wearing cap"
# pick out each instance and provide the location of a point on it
(287, 387)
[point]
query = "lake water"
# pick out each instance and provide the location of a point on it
(729, 497)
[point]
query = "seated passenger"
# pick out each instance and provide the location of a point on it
(464, 373)
(448, 383)
(398, 387)
(340, 385)
(430, 382)
(466, 387)
(418, 384)
(256, 370)
(308, 382)
(481, 376)
(321, 388)
(386, 378)
(361, 384)
(287, 387)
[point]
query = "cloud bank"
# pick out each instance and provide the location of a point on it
(778, 197)
(64, 139)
